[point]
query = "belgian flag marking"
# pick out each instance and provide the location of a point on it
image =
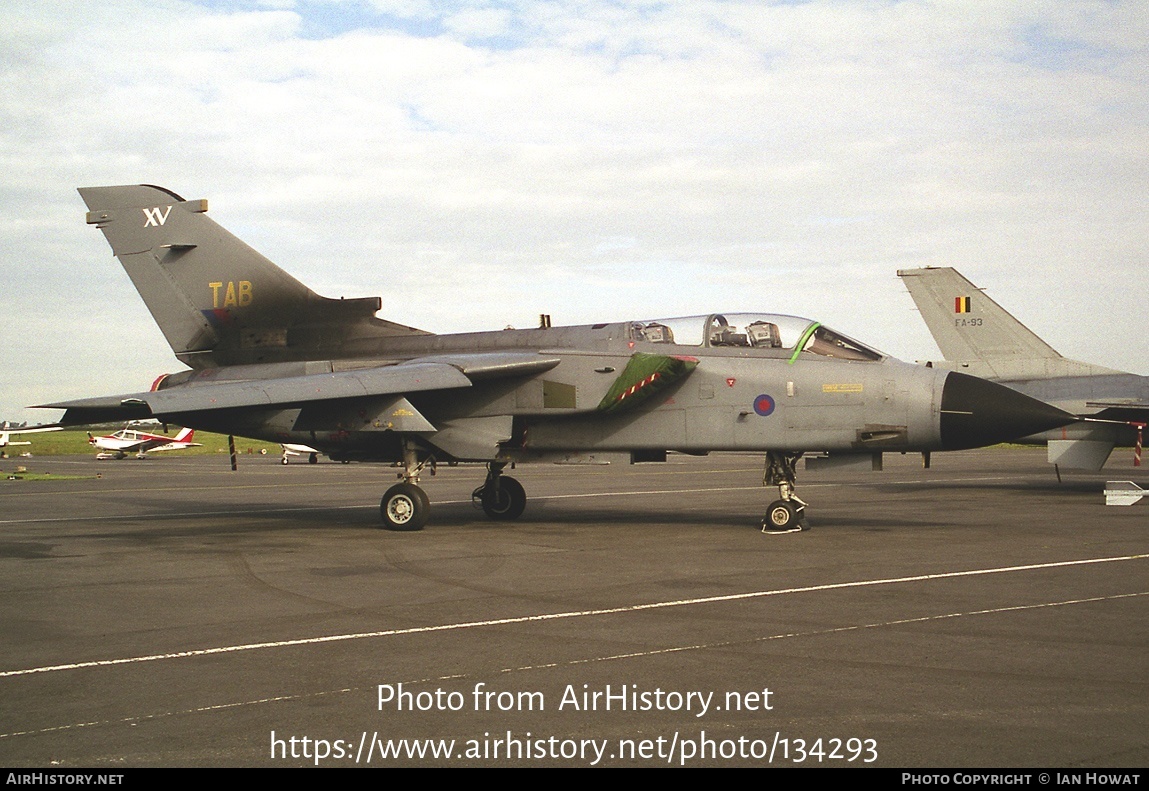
(961, 304)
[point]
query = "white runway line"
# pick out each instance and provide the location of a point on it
(571, 662)
(560, 615)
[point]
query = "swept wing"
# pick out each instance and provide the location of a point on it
(421, 375)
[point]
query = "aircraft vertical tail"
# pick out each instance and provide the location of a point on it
(980, 336)
(218, 301)
(184, 435)
(965, 323)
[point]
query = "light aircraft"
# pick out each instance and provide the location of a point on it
(271, 359)
(129, 440)
(978, 336)
(6, 433)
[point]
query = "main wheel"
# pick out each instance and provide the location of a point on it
(312, 458)
(507, 501)
(405, 507)
(782, 517)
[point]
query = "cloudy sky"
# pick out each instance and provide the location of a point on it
(477, 163)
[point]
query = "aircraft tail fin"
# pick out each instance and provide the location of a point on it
(185, 435)
(218, 301)
(965, 323)
(978, 336)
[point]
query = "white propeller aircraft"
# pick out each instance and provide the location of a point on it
(7, 433)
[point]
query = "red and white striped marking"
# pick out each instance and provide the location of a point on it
(635, 388)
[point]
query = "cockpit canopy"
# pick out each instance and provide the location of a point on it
(753, 331)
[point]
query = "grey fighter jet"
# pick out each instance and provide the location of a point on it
(978, 336)
(271, 359)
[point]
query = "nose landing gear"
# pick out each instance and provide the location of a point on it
(788, 513)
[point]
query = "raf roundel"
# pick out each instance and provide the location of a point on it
(764, 405)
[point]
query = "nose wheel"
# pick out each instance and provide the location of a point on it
(784, 516)
(788, 513)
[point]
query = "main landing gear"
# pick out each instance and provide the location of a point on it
(501, 496)
(406, 506)
(788, 513)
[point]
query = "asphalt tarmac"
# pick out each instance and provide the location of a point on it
(174, 613)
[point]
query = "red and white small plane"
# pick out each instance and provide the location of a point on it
(128, 440)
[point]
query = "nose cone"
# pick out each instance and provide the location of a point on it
(976, 413)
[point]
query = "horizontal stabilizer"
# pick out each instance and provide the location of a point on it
(1128, 411)
(1123, 493)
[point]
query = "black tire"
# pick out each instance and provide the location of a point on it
(405, 507)
(283, 460)
(506, 502)
(781, 517)
(312, 458)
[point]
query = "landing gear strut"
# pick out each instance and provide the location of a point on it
(501, 496)
(788, 513)
(406, 506)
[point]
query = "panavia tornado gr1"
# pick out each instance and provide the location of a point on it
(271, 359)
